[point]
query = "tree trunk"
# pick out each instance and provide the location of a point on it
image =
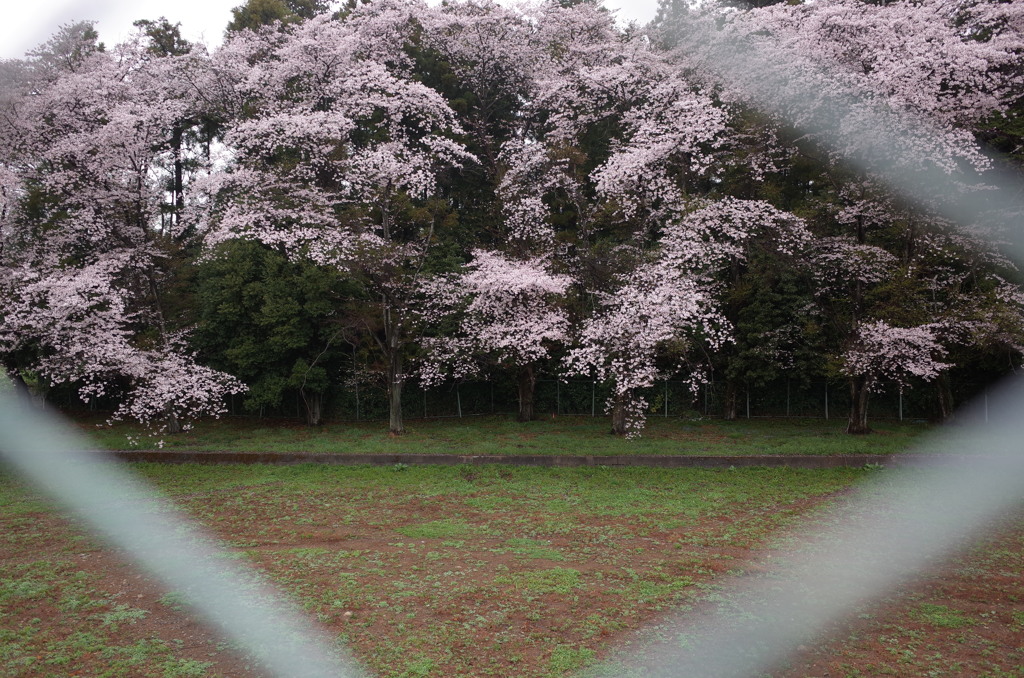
(21, 392)
(729, 404)
(619, 427)
(393, 346)
(395, 382)
(944, 392)
(527, 384)
(860, 388)
(314, 403)
(178, 189)
(173, 425)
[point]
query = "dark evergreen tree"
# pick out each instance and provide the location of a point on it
(256, 13)
(272, 323)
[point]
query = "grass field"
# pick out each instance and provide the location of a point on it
(479, 571)
(503, 436)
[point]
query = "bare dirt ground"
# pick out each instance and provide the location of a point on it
(424, 584)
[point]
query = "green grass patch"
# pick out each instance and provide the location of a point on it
(436, 529)
(942, 616)
(502, 436)
(646, 591)
(73, 625)
(531, 549)
(561, 580)
(566, 659)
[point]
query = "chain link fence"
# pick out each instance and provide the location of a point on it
(823, 399)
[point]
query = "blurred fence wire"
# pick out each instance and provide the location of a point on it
(166, 543)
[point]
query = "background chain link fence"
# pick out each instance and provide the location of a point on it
(819, 399)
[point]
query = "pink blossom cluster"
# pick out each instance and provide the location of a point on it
(656, 306)
(919, 60)
(506, 309)
(881, 351)
(299, 162)
(839, 262)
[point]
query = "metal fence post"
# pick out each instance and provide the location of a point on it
(593, 398)
(826, 401)
(458, 400)
(666, 397)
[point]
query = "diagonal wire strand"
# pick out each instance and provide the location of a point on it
(166, 543)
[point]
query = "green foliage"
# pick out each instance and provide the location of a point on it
(776, 333)
(165, 38)
(257, 13)
(269, 321)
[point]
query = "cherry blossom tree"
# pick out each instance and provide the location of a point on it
(508, 313)
(887, 99)
(518, 187)
(673, 304)
(939, 68)
(337, 158)
(652, 309)
(85, 259)
(966, 293)
(880, 351)
(614, 176)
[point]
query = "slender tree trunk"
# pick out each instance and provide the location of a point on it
(393, 346)
(619, 427)
(173, 424)
(729, 405)
(860, 388)
(314, 403)
(527, 384)
(395, 382)
(178, 189)
(395, 424)
(944, 393)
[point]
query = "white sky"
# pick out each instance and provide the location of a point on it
(28, 23)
